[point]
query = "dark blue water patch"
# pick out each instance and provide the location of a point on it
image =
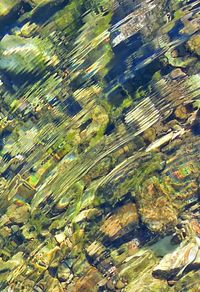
(72, 106)
(54, 101)
(117, 96)
(9, 22)
(131, 83)
(8, 173)
(110, 129)
(12, 80)
(19, 168)
(1, 145)
(85, 125)
(92, 81)
(118, 64)
(7, 157)
(130, 45)
(147, 53)
(5, 133)
(193, 1)
(18, 238)
(78, 82)
(196, 127)
(7, 82)
(53, 271)
(57, 121)
(144, 75)
(45, 12)
(114, 81)
(125, 7)
(174, 33)
(129, 86)
(167, 6)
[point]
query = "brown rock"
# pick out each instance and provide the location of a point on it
(18, 214)
(118, 224)
(174, 54)
(119, 285)
(110, 285)
(177, 73)
(181, 112)
(89, 282)
(95, 249)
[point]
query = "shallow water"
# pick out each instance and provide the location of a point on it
(99, 145)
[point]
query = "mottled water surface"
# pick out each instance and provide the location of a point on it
(99, 145)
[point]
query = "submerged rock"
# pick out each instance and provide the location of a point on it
(121, 222)
(18, 214)
(177, 73)
(24, 55)
(137, 272)
(194, 44)
(89, 282)
(99, 145)
(64, 272)
(186, 256)
(7, 7)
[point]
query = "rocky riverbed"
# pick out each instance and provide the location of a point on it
(99, 145)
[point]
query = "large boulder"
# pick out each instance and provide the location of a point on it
(124, 220)
(7, 7)
(24, 55)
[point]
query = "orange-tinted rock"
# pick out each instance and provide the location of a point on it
(89, 282)
(118, 224)
(177, 73)
(96, 248)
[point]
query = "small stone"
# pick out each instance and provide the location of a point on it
(45, 233)
(174, 54)
(60, 237)
(181, 112)
(177, 73)
(102, 283)
(86, 214)
(150, 134)
(63, 272)
(171, 282)
(95, 248)
(14, 228)
(63, 204)
(110, 285)
(57, 224)
(119, 285)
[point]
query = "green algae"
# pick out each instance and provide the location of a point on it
(12, 60)
(82, 174)
(7, 7)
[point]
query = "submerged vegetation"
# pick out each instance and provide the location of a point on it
(99, 145)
